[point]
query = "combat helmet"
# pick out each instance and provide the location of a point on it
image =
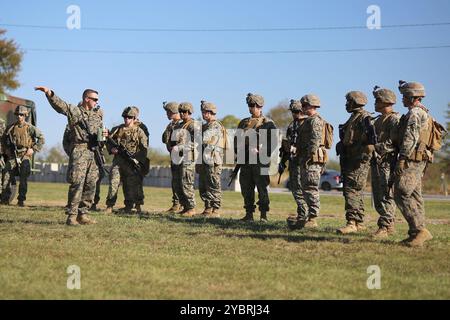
(208, 106)
(21, 110)
(411, 89)
(311, 100)
(357, 97)
(186, 106)
(130, 111)
(295, 105)
(171, 106)
(384, 95)
(255, 99)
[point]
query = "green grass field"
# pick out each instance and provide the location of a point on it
(160, 256)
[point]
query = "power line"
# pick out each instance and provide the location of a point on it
(275, 29)
(445, 46)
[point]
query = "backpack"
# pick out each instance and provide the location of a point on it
(327, 135)
(437, 135)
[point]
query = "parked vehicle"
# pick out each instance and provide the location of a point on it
(329, 180)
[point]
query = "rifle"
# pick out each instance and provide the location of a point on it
(340, 150)
(128, 157)
(94, 146)
(233, 174)
(392, 166)
(13, 147)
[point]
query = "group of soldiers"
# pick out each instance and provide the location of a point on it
(395, 149)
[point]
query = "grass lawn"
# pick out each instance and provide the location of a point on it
(159, 256)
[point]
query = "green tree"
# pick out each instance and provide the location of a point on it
(280, 114)
(230, 121)
(10, 59)
(55, 154)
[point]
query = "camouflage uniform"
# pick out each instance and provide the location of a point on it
(312, 159)
(24, 137)
(292, 141)
(2, 159)
(414, 155)
(114, 184)
(83, 169)
(170, 143)
(211, 167)
(135, 141)
(355, 160)
(255, 175)
(386, 127)
(185, 173)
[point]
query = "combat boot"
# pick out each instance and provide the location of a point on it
(72, 220)
(215, 213)
(360, 226)
(20, 203)
(94, 207)
(207, 212)
(126, 210)
(138, 208)
(189, 213)
(84, 219)
(311, 223)
(109, 210)
(174, 208)
(295, 222)
(383, 232)
(248, 216)
(263, 216)
(349, 228)
(420, 238)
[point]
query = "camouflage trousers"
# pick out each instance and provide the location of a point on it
(174, 169)
(296, 187)
(250, 177)
(209, 185)
(114, 183)
(382, 197)
(9, 178)
(355, 178)
(97, 186)
(82, 176)
(408, 195)
(185, 178)
(310, 178)
(132, 185)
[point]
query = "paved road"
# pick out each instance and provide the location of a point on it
(336, 193)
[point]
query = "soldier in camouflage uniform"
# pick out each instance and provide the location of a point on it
(114, 173)
(133, 139)
(312, 156)
(386, 127)
(414, 133)
(83, 169)
(186, 149)
(173, 115)
(20, 141)
(288, 152)
(2, 159)
(254, 173)
(214, 142)
(355, 153)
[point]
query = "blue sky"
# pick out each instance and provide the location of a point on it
(146, 80)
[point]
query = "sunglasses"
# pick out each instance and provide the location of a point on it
(295, 111)
(184, 111)
(128, 117)
(93, 99)
(21, 115)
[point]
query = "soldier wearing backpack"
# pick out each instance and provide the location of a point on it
(419, 136)
(315, 136)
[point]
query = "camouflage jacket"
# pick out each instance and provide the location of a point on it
(2, 131)
(24, 137)
(213, 141)
(310, 136)
(260, 125)
(386, 127)
(167, 134)
(411, 125)
(78, 134)
(355, 140)
(133, 139)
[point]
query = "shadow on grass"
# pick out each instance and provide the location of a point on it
(37, 222)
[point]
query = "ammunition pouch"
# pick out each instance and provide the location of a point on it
(320, 156)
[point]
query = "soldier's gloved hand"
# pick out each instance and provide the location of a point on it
(399, 167)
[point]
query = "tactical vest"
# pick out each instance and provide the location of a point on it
(21, 136)
(128, 138)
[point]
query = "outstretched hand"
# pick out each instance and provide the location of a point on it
(43, 89)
